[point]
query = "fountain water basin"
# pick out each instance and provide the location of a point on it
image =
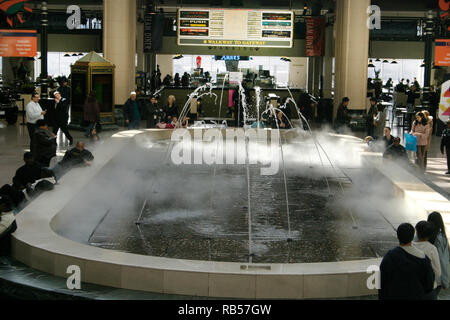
(136, 220)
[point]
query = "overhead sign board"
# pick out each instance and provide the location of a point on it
(235, 28)
(18, 43)
(442, 53)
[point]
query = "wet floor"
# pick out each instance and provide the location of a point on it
(201, 212)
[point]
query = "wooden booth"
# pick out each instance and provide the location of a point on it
(93, 73)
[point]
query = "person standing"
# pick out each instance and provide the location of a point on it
(62, 116)
(440, 241)
(371, 117)
(434, 106)
(153, 112)
(132, 112)
(421, 130)
(342, 116)
(34, 113)
(424, 231)
(64, 89)
(44, 144)
(430, 124)
(171, 110)
(91, 113)
(405, 271)
(412, 96)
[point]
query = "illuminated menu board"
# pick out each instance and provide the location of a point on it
(235, 28)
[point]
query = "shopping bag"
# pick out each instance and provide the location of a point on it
(410, 142)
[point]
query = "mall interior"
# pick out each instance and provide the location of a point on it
(203, 149)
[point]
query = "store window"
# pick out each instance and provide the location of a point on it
(404, 69)
(58, 64)
(277, 68)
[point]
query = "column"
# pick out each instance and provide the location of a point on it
(352, 53)
(328, 63)
(317, 74)
(310, 88)
(119, 44)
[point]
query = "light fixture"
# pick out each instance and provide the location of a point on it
(394, 62)
(67, 55)
(423, 64)
(378, 60)
(178, 56)
(285, 59)
(74, 55)
(371, 65)
(80, 54)
(385, 61)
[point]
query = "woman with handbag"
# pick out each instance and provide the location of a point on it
(421, 130)
(91, 113)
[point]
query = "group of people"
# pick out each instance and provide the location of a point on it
(156, 116)
(35, 177)
(416, 270)
(57, 115)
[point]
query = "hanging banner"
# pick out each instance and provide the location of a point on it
(444, 105)
(442, 53)
(315, 37)
(18, 43)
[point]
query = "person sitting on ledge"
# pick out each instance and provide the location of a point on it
(72, 158)
(405, 271)
(44, 144)
(29, 172)
(7, 226)
(396, 151)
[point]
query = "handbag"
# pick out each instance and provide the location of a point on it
(410, 142)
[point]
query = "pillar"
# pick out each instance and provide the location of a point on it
(119, 44)
(310, 75)
(352, 53)
(165, 62)
(317, 74)
(328, 63)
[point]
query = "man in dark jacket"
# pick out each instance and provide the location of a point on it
(406, 273)
(396, 151)
(62, 116)
(64, 89)
(28, 173)
(44, 144)
(342, 116)
(154, 113)
(132, 112)
(412, 95)
(445, 143)
(370, 117)
(74, 157)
